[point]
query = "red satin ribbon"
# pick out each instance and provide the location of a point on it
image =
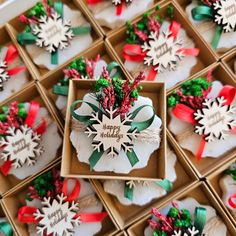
(6, 167)
(134, 52)
(91, 217)
(231, 200)
(185, 113)
(73, 196)
(91, 2)
(26, 214)
(119, 9)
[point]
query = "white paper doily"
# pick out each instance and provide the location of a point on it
(86, 229)
(184, 67)
(42, 58)
(50, 141)
(212, 149)
(16, 82)
(190, 204)
(105, 12)
(142, 194)
(207, 30)
(119, 164)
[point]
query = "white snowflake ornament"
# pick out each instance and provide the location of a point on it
(225, 14)
(215, 119)
(57, 217)
(111, 132)
(20, 145)
(53, 32)
(162, 51)
(191, 231)
(4, 76)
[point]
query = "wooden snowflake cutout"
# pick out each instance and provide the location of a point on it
(111, 132)
(53, 32)
(118, 2)
(192, 231)
(4, 76)
(225, 14)
(215, 119)
(20, 145)
(163, 51)
(57, 217)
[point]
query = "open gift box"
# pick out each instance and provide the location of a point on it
(16, 199)
(15, 27)
(125, 215)
(155, 169)
(32, 92)
(118, 38)
(216, 186)
(201, 193)
(205, 165)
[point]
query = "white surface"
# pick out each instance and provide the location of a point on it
(170, 77)
(192, 141)
(119, 164)
(190, 204)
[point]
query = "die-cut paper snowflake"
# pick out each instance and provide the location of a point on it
(163, 51)
(133, 183)
(4, 76)
(225, 14)
(57, 217)
(111, 132)
(118, 2)
(192, 231)
(53, 32)
(215, 119)
(20, 145)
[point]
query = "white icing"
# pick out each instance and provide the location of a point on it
(119, 164)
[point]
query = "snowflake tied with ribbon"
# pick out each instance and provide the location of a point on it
(192, 231)
(225, 14)
(215, 119)
(20, 145)
(57, 217)
(53, 32)
(112, 132)
(118, 2)
(4, 76)
(162, 51)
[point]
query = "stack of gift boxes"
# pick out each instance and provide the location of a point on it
(119, 118)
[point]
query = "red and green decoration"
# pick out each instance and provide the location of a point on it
(178, 222)
(212, 119)
(57, 202)
(82, 68)
(232, 198)
(47, 28)
(120, 4)
(113, 119)
(5, 72)
(20, 137)
(157, 49)
(222, 12)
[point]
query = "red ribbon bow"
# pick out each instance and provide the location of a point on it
(231, 200)
(29, 121)
(186, 114)
(134, 52)
(26, 213)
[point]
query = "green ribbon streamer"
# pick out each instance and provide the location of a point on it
(200, 218)
(6, 229)
(133, 159)
(94, 158)
(81, 30)
(165, 184)
(26, 38)
(58, 7)
(206, 13)
(61, 90)
(114, 66)
(128, 192)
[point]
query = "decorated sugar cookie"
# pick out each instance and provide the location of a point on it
(61, 207)
(203, 117)
(25, 130)
(54, 33)
(118, 122)
(114, 13)
(162, 49)
(13, 74)
(142, 192)
(228, 186)
(185, 218)
(215, 20)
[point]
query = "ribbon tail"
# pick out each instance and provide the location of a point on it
(231, 202)
(61, 90)
(81, 30)
(91, 217)
(201, 149)
(152, 74)
(165, 184)
(94, 158)
(190, 51)
(133, 52)
(200, 218)
(6, 167)
(184, 113)
(32, 114)
(26, 38)
(73, 196)
(216, 37)
(16, 70)
(228, 92)
(41, 128)
(11, 54)
(54, 58)
(133, 159)
(26, 214)
(6, 229)
(128, 192)
(119, 9)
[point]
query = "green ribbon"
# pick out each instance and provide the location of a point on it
(114, 66)
(26, 38)
(200, 218)
(6, 229)
(131, 155)
(128, 192)
(203, 12)
(81, 30)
